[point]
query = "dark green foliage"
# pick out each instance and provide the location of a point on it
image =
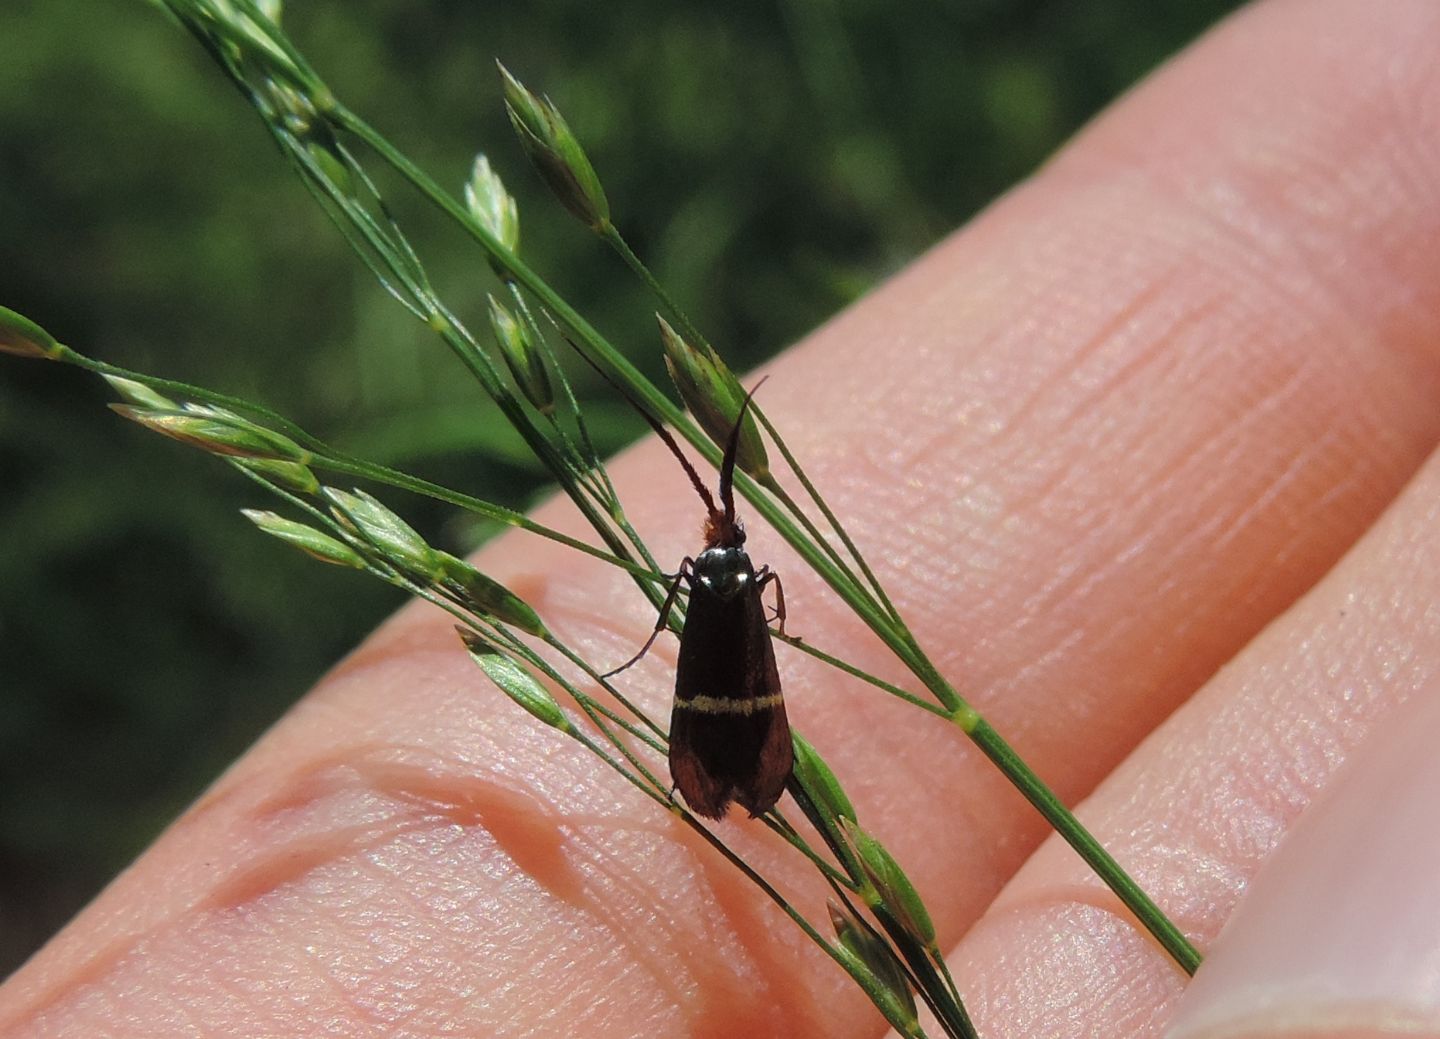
(771, 162)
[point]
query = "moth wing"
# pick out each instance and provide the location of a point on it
(705, 792)
(720, 754)
(774, 764)
(774, 756)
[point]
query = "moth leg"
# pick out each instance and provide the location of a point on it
(682, 574)
(768, 576)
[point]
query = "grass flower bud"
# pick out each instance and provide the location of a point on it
(489, 596)
(522, 357)
(514, 681)
(216, 430)
(714, 396)
(307, 539)
(398, 542)
(24, 338)
(555, 152)
(897, 895)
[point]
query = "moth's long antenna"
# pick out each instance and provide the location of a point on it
(695, 480)
(732, 447)
(664, 434)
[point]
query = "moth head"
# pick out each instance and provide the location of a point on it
(723, 530)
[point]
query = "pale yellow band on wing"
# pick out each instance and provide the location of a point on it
(730, 705)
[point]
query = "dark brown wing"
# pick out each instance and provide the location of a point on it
(729, 737)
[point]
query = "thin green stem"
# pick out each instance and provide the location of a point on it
(865, 981)
(776, 821)
(830, 517)
(949, 980)
(613, 238)
(943, 1002)
(896, 691)
(928, 982)
(772, 485)
(656, 735)
(653, 738)
(1088, 848)
(324, 457)
(597, 713)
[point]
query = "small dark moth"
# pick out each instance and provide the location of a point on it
(729, 738)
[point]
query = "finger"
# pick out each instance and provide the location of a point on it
(1349, 672)
(1076, 440)
(1337, 934)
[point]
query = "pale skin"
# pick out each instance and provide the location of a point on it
(1094, 443)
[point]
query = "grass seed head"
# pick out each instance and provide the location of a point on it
(216, 430)
(24, 338)
(522, 357)
(138, 393)
(714, 396)
(555, 152)
(897, 895)
(312, 542)
(292, 476)
(514, 681)
(488, 596)
(875, 953)
(395, 540)
(492, 206)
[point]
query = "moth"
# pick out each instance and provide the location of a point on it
(729, 737)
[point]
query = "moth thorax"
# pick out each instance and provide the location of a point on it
(725, 572)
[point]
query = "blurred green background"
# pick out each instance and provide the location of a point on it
(772, 160)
